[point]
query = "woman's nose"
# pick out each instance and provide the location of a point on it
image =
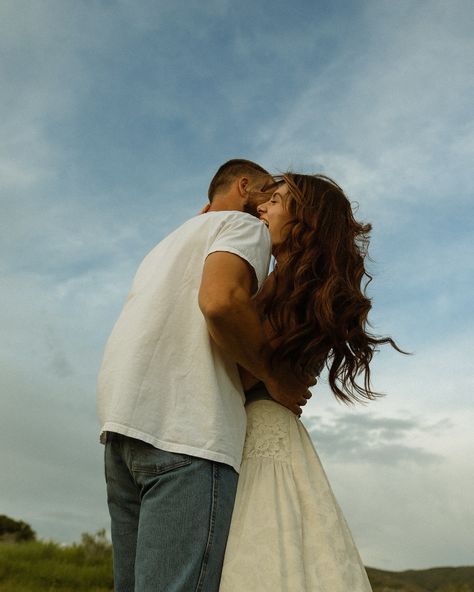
(261, 208)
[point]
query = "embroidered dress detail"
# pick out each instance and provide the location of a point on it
(288, 533)
(267, 436)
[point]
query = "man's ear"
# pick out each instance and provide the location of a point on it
(242, 186)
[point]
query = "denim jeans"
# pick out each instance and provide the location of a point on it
(170, 517)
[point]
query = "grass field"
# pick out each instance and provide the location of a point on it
(87, 567)
(48, 567)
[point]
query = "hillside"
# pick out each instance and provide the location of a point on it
(438, 579)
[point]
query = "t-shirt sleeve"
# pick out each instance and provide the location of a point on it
(247, 237)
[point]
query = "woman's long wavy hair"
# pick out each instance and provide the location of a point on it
(317, 304)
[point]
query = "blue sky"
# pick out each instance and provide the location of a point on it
(115, 115)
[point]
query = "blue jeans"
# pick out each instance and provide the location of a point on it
(170, 517)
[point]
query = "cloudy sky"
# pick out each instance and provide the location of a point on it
(114, 116)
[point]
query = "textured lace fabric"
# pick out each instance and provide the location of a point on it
(288, 533)
(268, 434)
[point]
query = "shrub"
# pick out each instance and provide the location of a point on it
(15, 531)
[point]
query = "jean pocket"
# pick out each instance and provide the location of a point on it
(154, 461)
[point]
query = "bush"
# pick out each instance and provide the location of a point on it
(96, 546)
(15, 531)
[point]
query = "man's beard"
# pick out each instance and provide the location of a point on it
(251, 208)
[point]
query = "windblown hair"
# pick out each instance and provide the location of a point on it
(317, 305)
(232, 169)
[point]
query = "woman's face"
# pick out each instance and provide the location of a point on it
(275, 215)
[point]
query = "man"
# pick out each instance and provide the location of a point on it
(170, 400)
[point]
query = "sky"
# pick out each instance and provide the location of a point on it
(115, 114)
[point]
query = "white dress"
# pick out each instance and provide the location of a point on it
(288, 533)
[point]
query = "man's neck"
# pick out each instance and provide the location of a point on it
(224, 203)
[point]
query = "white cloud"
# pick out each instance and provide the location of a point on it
(364, 438)
(397, 119)
(49, 423)
(393, 476)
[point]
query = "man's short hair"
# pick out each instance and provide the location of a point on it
(231, 170)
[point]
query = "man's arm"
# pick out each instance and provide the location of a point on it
(225, 299)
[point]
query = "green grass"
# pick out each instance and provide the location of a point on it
(47, 567)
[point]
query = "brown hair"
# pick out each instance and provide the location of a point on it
(230, 170)
(318, 304)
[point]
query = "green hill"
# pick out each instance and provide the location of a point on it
(438, 579)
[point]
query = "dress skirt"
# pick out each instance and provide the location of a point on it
(288, 533)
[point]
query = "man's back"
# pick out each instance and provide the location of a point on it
(162, 380)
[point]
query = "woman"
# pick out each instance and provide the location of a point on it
(288, 533)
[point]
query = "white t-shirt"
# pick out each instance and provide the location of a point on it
(163, 380)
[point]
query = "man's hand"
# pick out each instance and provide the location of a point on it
(288, 390)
